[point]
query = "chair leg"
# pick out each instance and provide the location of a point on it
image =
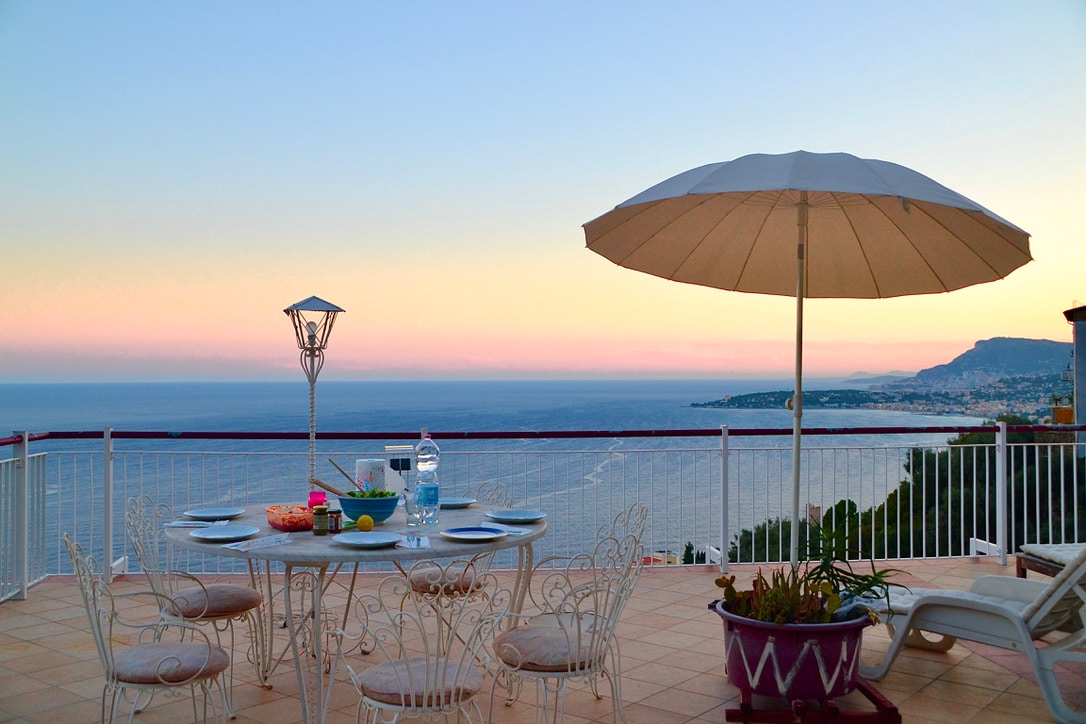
(1044, 667)
(614, 678)
(917, 640)
(545, 690)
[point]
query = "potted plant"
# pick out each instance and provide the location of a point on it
(796, 634)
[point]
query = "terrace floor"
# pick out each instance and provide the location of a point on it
(672, 652)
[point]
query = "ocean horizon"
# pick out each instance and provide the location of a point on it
(372, 406)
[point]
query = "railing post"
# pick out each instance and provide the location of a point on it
(21, 519)
(724, 499)
(1001, 492)
(107, 501)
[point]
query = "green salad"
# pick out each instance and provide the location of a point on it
(371, 494)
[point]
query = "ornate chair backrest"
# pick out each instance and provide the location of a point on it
(99, 612)
(628, 522)
(449, 633)
(586, 597)
(143, 520)
(495, 494)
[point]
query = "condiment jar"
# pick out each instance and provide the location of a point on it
(335, 520)
(320, 520)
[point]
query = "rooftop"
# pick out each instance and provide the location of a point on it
(672, 655)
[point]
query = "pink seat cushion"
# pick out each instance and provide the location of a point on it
(543, 648)
(404, 683)
(223, 599)
(169, 662)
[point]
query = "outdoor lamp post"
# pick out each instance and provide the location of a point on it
(312, 319)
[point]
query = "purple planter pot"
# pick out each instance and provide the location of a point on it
(813, 661)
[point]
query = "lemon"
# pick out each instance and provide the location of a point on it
(364, 523)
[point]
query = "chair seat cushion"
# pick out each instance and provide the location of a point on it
(222, 599)
(417, 682)
(435, 580)
(174, 663)
(546, 648)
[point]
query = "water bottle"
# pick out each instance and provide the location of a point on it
(427, 493)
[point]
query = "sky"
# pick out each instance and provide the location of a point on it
(175, 174)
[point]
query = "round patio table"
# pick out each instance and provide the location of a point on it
(306, 560)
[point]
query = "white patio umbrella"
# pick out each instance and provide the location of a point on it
(812, 225)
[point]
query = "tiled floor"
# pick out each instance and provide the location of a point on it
(672, 652)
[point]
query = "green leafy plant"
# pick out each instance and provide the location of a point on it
(824, 589)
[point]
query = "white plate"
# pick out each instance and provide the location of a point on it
(224, 533)
(474, 533)
(516, 516)
(214, 513)
(456, 502)
(367, 539)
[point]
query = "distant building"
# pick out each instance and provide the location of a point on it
(1077, 318)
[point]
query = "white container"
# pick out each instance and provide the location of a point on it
(370, 474)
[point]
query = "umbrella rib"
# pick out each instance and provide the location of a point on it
(863, 251)
(720, 221)
(914, 206)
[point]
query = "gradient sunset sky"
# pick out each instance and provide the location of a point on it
(174, 174)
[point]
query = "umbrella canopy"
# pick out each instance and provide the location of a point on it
(812, 225)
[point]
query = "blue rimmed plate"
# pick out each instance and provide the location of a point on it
(224, 533)
(453, 503)
(368, 539)
(474, 533)
(214, 513)
(516, 516)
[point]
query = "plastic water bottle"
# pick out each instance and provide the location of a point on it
(427, 492)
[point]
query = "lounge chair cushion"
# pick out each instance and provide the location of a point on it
(170, 662)
(902, 599)
(408, 683)
(1060, 553)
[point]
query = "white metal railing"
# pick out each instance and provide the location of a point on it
(23, 556)
(707, 498)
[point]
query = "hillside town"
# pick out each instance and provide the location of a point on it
(1002, 376)
(1029, 397)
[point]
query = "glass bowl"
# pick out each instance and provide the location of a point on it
(290, 518)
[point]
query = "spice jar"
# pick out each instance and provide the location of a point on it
(335, 520)
(320, 520)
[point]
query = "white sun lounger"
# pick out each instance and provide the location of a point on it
(1046, 558)
(1042, 620)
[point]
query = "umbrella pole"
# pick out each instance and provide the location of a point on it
(797, 399)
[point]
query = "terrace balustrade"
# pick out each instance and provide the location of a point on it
(710, 492)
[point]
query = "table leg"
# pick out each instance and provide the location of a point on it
(525, 560)
(269, 620)
(305, 625)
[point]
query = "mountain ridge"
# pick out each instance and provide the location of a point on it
(1002, 375)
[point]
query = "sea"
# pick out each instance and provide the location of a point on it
(399, 406)
(440, 406)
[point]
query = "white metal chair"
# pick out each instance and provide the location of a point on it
(216, 604)
(576, 603)
(458, 578)
(429, 653)
(1043, 621)
(494, 494)
(170, 656)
